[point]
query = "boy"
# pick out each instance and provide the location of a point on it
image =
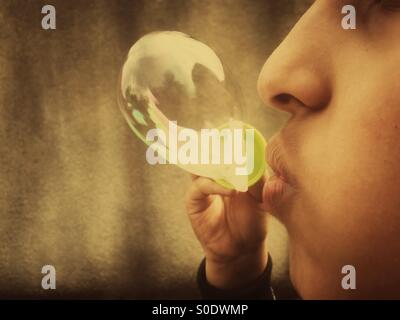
(336, 186)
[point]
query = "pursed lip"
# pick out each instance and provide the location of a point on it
(282, 182)
(276, 161)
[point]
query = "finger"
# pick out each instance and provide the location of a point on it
(197, 198)
(203, 187)
(256, 190)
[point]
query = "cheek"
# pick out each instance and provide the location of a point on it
(365, 140)
(353, 147)
(349, 160)
(349, 204)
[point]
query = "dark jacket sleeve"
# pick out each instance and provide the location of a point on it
(260, 289)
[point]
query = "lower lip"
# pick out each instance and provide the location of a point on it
(274, 193)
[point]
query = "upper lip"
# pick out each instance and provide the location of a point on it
(276, 161)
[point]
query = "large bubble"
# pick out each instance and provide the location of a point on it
(173, 89)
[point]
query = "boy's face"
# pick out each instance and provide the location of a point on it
(341, 144)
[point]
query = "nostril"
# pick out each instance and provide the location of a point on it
(283, 98)
(286, 102)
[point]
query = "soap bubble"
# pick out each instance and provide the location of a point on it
(183, 77)
(170, 76)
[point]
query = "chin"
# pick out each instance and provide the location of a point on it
(310, 281)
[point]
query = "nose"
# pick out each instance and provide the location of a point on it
(296, 77)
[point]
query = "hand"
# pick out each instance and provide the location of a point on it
(232, 228)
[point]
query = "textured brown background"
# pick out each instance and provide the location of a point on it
(75, 189)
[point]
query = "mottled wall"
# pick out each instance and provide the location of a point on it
(75, 189)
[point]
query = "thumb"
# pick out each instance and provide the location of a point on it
(197, 199)
(256, 190)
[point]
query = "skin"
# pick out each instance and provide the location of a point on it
(341, 143)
